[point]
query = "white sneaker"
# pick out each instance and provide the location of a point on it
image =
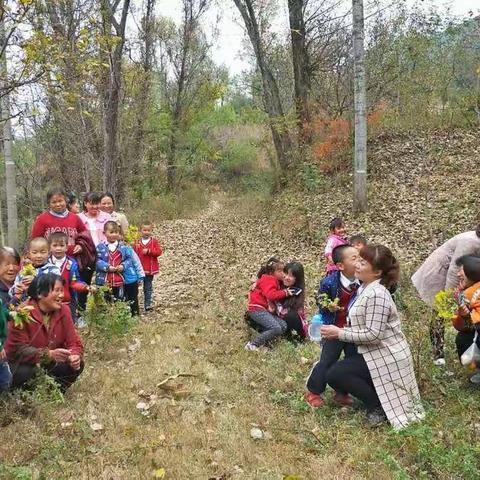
(81, 323)
(439, 362)
(251, 346)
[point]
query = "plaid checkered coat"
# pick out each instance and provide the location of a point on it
(374, 326)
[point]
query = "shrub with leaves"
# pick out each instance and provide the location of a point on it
(445, 304)
(324, 301)
(21, 315)
(131, 235)
(28, 270)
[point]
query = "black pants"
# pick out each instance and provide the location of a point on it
(86, 276)
(351, 375)
(294, 322)
(62, 373)
(130, 291)
(464, 340)
(115, 293)
(331, 351)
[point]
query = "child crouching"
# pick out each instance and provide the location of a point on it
(339, 284)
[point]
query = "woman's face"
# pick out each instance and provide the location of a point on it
(365, 272)
(106, 205)
(8, 270)
(53, 301)
(93, 209)
(289, 279)
(57, 203)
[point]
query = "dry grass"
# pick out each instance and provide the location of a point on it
(199, 426)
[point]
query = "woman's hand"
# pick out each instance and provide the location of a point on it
(74, 361)
(59, 355)
(77, 249)
(3, 354)
(330, 332)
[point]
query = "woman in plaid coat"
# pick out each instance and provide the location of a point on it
(381, 375)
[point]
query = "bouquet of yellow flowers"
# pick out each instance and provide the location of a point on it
(21, 315)
(324, 301)
(445, 304)
(28, 270)
(132, 234)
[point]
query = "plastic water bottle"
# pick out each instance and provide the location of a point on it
(314, 328)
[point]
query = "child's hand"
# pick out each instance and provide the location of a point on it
(91, 288)
(120, 268)
(3, 355)
(112, 269)
(19, 290)
(26, 281)
(145, 251)
(334, 308)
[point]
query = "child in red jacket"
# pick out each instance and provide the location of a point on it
(261, 303)
(148, 250)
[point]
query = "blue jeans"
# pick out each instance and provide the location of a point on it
(270, 325)
(147, 290)
(5, 376)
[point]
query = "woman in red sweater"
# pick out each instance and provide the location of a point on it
(58, 219)
(261, 303)
(49, 339)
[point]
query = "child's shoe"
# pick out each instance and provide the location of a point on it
(343, 399)
(251, 346)
(149, 308)
(314, 400)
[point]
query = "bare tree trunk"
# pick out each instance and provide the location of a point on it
(10, 178)
(296, 9)
(113, 180)
(271, 94)
(360, 159)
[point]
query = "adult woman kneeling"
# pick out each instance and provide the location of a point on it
(381, 374)
(49, 340)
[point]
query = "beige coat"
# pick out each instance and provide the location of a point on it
(374, 326)
(439, 270)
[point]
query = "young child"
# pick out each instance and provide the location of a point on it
(5, 373)
(68, 267)
(113, 259)
(37, 255)
(261, 303)
(339, 284)
(337, 236)
(148, 250)
(467, 320)
(133, 277)
(358, 241)
(292, 309)
(9, 268)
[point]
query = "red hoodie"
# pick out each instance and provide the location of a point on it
(266, 289)
(150, 259)
(26, 344)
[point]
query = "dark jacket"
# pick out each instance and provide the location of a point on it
(331, 286)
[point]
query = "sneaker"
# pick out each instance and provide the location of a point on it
(149, 308)
(314, 400)
(343, 399)
(439, 362)
(475, 379)
(251, 346)
(376, 417)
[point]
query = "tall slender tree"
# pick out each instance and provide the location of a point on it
(360, 92)
(10, 177)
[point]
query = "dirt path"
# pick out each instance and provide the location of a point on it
(196, 425)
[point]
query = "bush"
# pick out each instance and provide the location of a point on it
(238, 160)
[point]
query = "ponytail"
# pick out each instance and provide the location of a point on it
(381, 258)
(269, 267)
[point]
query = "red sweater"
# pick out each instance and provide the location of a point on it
(266, 289)
(150, 259)
(26, 344)
(71, 225)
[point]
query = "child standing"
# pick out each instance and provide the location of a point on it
(9, 268)
(337, 237)
(133, 276)
(339, 284)
(113, 259)
(68, 267)
(148, 250)
(261, 303)
(37, 255)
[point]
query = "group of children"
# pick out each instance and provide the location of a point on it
(118, 265)
(276, 304)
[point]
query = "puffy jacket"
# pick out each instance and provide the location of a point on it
(136, 272)
(150, 259)
(102, 263)
(266, 291)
